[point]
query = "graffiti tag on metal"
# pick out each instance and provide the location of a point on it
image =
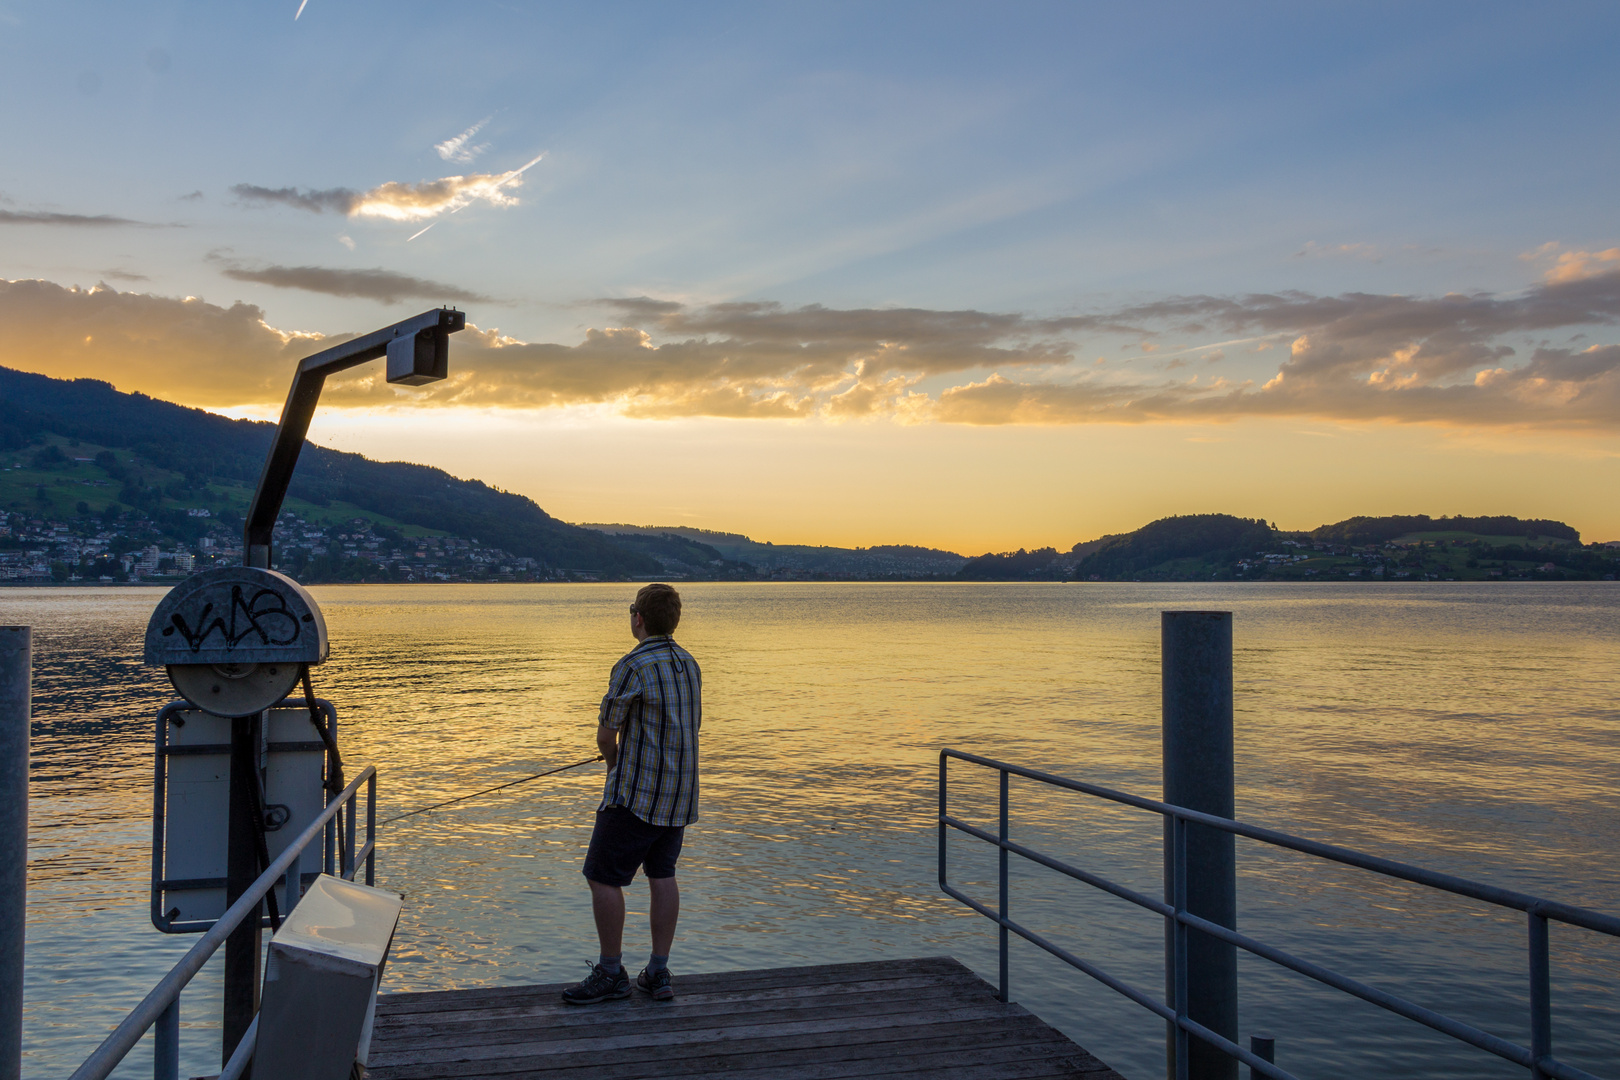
(236, 615)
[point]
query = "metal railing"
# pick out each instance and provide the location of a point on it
(1538, 1057)
(161, 1007)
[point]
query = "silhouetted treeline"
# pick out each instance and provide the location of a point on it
(1020, 565)
(1212, 537)
(1357, 531)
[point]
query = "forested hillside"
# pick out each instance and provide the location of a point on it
(203, 447)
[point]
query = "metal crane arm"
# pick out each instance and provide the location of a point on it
(418, 351)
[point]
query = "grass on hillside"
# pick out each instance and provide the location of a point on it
(1470, 538)
(1440, 554)
(79, 488)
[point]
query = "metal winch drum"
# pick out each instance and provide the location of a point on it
(234, 640)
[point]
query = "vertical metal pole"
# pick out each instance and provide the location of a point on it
(371, 830)
(326, 843)
(166, 1043)
(1540, 995)
(16, 711)
(294, 890)
(350, 820)
(1003, 852)
(1180, 1060)
(244, 948)
(942, 876)
(1197, 747)
(1263, 1045)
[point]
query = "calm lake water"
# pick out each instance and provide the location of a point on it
(1471, 728)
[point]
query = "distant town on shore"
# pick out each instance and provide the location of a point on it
(99, 487)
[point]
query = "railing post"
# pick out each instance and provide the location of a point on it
(1540, 995)
(351, 818)
(1003, 852)
(166, 1043)
(1197, 748)
(1180, 1063)
(942, 839)
(294, 890)
(371, 830)
(16, 711)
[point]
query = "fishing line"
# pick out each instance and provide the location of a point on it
(487, 791)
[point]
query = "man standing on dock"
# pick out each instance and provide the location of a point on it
(648, 735)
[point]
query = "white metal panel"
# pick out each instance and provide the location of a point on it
(193, 835)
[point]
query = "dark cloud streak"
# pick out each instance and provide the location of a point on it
(86, 221)
(340, 200)
(378, 284)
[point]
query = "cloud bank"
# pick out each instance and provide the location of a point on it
(395, 201)
(1456, 359)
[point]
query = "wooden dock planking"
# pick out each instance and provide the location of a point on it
(930, 1017)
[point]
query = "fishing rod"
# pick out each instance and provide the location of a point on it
(487, 791)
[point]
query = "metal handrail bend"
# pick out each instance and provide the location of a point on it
(1537, 1058)
(161, 1006)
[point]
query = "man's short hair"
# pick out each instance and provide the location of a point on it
(660, 608)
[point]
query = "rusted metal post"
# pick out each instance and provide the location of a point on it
(16, 710)
(1198, 774)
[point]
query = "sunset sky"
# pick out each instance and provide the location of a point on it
(973, 276)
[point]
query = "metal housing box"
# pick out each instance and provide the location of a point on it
(320, 982)
(419, 358)
(192, 805)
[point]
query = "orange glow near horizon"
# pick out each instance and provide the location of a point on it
(978, 489)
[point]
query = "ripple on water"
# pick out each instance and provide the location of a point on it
(1469, 728)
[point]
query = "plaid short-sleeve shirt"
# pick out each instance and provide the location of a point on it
(655, 696)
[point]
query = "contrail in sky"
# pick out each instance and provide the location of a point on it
(526, 168)
(419, 232)
(301, 9)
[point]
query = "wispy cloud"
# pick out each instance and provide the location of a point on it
(385, 286)
(1580, 265)
(460, 148)
(1313, 250)
(396, 201)
(87, 221)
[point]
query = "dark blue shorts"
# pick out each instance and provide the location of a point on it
(621, 843)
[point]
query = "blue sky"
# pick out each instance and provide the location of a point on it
(1029, 162)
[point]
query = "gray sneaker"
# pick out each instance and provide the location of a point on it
(656, 985)
(599, 985)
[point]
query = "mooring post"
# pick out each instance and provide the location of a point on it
(1263, 1045)
(16, 710)
(1196, 669)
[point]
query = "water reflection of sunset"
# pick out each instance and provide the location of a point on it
(1467, 728)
